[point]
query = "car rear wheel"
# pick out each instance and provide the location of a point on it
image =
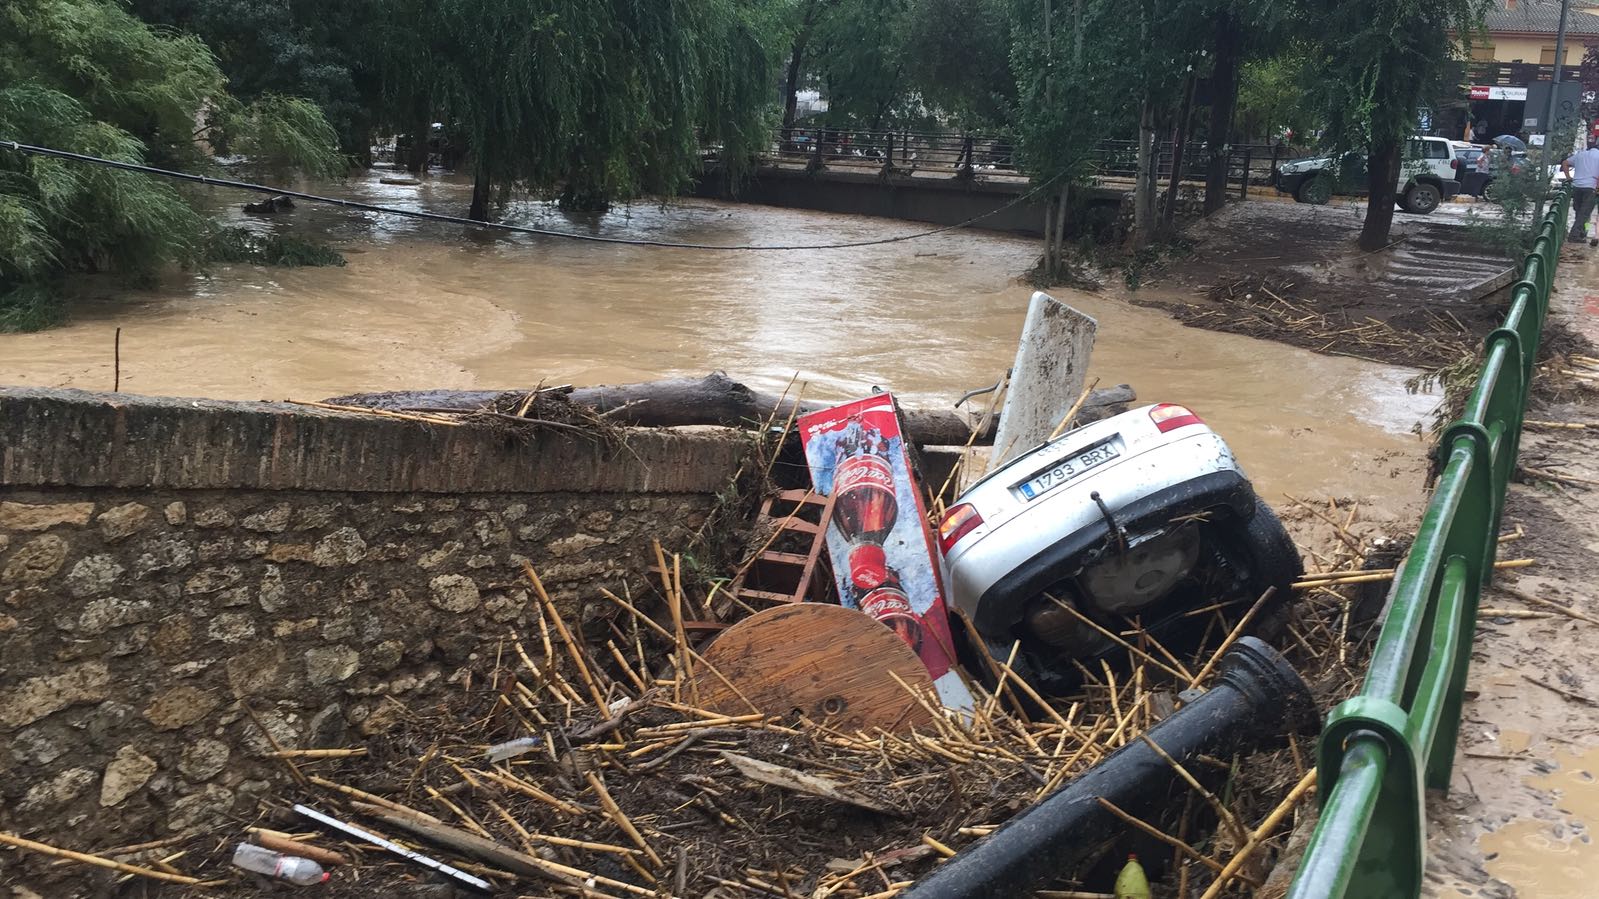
(1420, 199)
(1274, 564)
(1316, 190)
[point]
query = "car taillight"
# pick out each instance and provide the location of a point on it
(958, 522)
(1170, 417)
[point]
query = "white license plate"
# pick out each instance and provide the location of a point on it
(1067, 469)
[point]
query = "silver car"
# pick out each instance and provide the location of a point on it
(1144, 515)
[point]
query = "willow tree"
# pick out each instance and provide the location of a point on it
(85, 76)
(593, 100)
(1377, 60)
(1092, 69)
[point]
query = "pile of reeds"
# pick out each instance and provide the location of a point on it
(1266, 308)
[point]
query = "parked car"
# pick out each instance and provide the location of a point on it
(1427, 176)
(1475, 182)
(1143, 515)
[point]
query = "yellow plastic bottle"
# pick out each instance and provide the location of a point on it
(1131, 882)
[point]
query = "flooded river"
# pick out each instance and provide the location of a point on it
(434, 305)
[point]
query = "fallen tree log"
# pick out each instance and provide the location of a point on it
(714, 399)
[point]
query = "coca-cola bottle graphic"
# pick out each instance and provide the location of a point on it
(865, 507)
(888, 603)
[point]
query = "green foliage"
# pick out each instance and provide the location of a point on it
(957, 58)
(1515, 196)
(1274, 97)
(288, 48)
(241, 245)
(859, 59)
(604, 99)
(30, 307)
(85, 76)
(1375, 60)
(285, 133)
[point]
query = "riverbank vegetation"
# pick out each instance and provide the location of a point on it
(87, 77)
(597, 101)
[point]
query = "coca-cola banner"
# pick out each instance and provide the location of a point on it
(882, 549)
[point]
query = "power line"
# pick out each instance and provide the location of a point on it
(32, 150)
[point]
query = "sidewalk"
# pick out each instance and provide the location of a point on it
(1519, 817)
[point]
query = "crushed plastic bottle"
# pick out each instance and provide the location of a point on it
(1131, 882)
(288, 868)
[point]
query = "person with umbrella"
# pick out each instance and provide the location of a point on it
(1582, 168)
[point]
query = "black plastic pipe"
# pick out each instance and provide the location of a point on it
(1257, 699)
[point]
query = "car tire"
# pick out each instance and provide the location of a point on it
(1315, 190)
(1420, 198)
(1489, 192)
(1275, 565)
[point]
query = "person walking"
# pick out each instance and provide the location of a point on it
(1484, 170)
(1582, 168)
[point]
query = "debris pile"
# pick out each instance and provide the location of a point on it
(1266, 308)
(587, 769)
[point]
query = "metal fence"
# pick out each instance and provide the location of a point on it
(904, 150)
(1396, 737)
(979, 154)
(1246, 163)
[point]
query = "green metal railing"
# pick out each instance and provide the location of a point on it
(1396, 737)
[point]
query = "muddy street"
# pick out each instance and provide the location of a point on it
(1523, 807)
(426, 305)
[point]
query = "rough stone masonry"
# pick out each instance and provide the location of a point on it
(165, 564)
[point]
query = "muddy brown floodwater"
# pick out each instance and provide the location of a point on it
(435, 305)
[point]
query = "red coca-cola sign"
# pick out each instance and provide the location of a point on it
(868, 565)
(883, 554)
(864, 506)
(890, 605)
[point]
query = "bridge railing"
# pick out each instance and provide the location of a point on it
(905, 150)
(990, 154)
(1396, 737)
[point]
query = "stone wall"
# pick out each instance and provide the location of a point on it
(164, 563)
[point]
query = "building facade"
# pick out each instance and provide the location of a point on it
(1515, 48)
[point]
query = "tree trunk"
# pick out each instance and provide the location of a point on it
(480, 194)
(1382, 181)
(1179, 138)
(1060, 229)
(1144, 189)
(1077, 37)
(1223, 99)
(714, 399)
(1049, 237)
(796, 58)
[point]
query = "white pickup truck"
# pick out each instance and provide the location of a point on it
(1426, 176)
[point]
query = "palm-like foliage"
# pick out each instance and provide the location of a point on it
(85, 76)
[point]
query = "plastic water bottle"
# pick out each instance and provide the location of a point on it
(290, 868)
(1131, 882)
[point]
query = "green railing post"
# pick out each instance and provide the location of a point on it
(1381, 748)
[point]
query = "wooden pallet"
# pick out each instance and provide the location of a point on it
(777, 576)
